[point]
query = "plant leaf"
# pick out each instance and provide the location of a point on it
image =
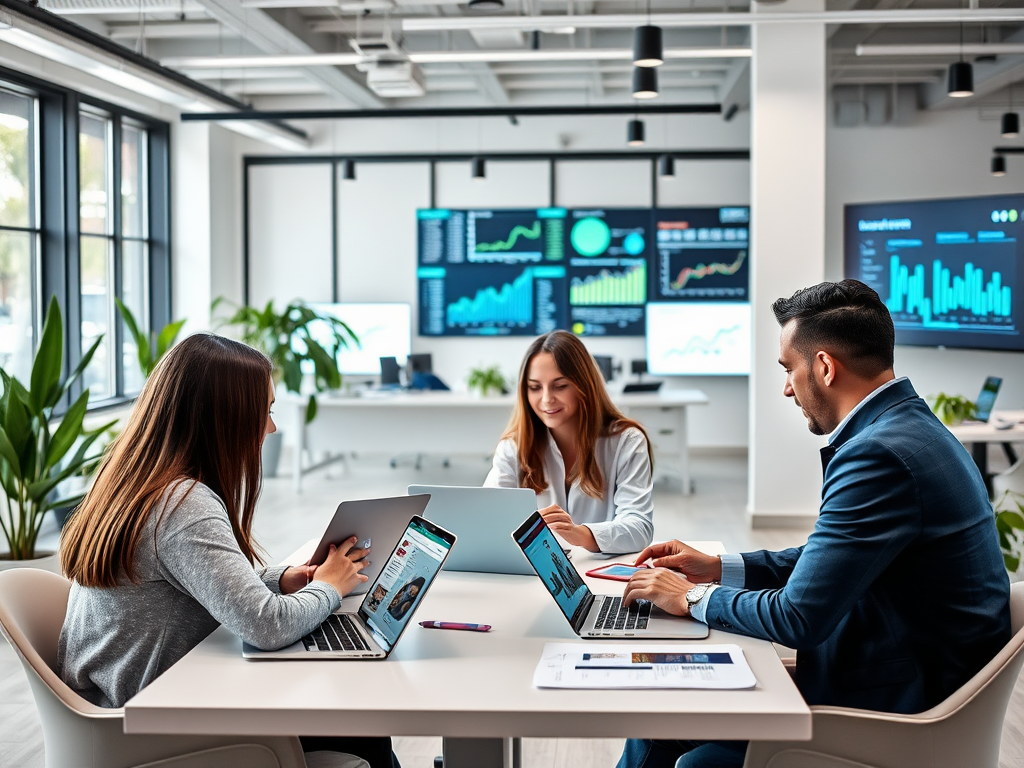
(68, 432)
(292, 374)
(82, 365)
(18, 422)
(8, 453)
(1012, 519)
(142, 349)
(49, 359)
(1012, 563)
(166, 338)
(311, 409)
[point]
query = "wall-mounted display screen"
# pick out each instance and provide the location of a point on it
(383, 330)
(946, 269)
(702, 254)
(698, 338)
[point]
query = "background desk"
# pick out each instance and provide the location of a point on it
(978, 436)
(456, 423)
(460, 685)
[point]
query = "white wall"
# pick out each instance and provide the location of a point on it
(943, 154)
(377, 224)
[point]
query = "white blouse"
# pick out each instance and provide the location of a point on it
(623, 521)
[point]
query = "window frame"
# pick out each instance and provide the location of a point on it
(58, 260)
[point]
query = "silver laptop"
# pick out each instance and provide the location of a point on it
(371, 521)
(374, 631)
(481, 518)
(591, 616)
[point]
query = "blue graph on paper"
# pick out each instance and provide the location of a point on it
(950, 293)
(510, 304)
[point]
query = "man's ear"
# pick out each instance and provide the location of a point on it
(826, 367)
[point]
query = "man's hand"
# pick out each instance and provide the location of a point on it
(295, 578)
(698, 567)
(664, 588)
(559, 521)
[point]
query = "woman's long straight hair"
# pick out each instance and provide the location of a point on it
(597, 415)
(201, 417)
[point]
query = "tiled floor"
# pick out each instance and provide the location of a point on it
(284, 521)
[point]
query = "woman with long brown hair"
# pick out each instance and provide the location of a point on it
(161, 551)
(589, 465)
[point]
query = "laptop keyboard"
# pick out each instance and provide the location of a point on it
(614, 616)
(338, 633)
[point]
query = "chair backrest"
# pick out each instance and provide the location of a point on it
(32, 608)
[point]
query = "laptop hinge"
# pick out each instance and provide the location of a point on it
(581, 615)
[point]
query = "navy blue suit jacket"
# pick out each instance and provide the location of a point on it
(900, 594)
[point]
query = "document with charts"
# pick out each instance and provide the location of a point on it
(643, 665)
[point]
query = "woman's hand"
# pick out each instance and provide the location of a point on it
(559, 521)
(698, 567)
(295, 578)
(342, 567)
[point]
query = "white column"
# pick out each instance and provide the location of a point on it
(191, 252)
(788, 113)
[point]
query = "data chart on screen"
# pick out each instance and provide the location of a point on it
(947, 270)
(703, 254)
(491, 236)
(609, 252)
(698, 338)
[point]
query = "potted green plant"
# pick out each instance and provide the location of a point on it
(150, 348)
(486, 380)
(952, 409)
(34, 457)
(295, 338)
(1009, 511)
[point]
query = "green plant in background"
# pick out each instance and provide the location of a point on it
(952, 409)
(1010, 526)
(484, 380)
(149, 348)
(290, 338)
(33, 460)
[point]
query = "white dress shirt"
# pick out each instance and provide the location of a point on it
(733, 570)
(622, 521)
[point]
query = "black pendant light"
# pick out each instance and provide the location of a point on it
(349, 170)
(668, 167)
(479, 168)
(647, 46)
(961, 79)
(998, 165)
(635, 133)
(645, 83)
(485, 5)
(1010, 125)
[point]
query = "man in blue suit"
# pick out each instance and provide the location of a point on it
(900, 595)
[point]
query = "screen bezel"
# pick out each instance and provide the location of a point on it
(588, 597)
(449, 538)
(850, 262)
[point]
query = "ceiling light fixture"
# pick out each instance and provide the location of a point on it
(998, 165)
(961, 74)
(349, 170)
(635, 133)
(485, 5)
(668, 167)
(647, 44)
(645, 83)
(479, 168)
(1010, 122)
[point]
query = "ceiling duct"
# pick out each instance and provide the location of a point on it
(396, 79)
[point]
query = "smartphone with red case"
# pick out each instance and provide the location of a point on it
(616, 571)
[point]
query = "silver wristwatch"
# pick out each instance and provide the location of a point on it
(696, 594)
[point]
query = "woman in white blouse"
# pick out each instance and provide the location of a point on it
(589, 465)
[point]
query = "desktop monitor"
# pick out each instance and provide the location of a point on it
(421, 362)
(698, 338)
(383, 330)
(604, 363)
(946, 269)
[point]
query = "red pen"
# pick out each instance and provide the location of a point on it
(456, 625)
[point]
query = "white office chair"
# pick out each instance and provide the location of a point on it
(1011, 479)
(78, 734)
(964, 730)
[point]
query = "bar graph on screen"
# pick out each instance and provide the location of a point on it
(610, 287)
(952, 296)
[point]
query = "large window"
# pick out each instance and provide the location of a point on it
(59, 154)
(19, 230)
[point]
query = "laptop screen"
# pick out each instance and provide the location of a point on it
(391, 600)
(547, 558)
(987, 398)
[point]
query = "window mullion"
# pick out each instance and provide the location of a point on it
(116, 326)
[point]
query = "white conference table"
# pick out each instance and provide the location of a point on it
(979, 434)
(448, 423)
(474, 689)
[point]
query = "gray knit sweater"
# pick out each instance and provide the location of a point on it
(190, 577)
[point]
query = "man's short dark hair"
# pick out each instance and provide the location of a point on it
(846, 319)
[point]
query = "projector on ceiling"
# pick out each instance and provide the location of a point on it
(396, 79)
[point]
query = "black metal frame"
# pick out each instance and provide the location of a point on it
(58, 186)
(553, 159)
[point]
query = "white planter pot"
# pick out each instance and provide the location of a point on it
(46, 562)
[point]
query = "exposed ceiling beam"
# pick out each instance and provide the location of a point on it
(989, 77)
(490, 84)
(945, 49)
(170, 30)
(680, 20)
(267, 34)
(734, 90)
(114, 8)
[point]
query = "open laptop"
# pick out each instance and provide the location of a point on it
(371, 521)
(480, 518)
(987, 398)
(595, 617)
(374, 631)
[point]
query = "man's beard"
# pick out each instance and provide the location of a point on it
(816, 409)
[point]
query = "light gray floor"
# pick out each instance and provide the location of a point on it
(285, 521)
